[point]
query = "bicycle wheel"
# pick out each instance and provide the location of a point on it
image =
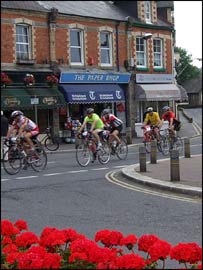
(38, 160)
(52, 143)
(104, 153)
(164, 145)
(83, 155)
(122, 150)
(178, 144)
(12, 161)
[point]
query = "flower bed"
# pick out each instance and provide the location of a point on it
(68, 249)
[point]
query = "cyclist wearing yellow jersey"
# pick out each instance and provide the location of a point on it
(96, 123)
(154, 120)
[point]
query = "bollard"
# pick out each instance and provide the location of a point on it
(153, 154)
(187, 147)
(174, 165)
(142, 158)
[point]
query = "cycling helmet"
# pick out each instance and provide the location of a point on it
(150, 109)
(90, 110)
(166, 108)
(105, 111)
(16, 113)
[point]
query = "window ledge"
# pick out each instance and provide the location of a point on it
(142, 68)
(159, 69)
(26, 62)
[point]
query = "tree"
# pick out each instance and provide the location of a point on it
(184, 68)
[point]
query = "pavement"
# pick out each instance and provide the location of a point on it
(159, 175)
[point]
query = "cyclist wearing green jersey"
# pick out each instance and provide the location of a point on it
(96, 123)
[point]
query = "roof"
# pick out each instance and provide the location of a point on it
(94, 9)
(25, 5)
(193, 86)
(165, 4)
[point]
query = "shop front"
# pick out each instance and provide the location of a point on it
(155, 91)
(100, 91)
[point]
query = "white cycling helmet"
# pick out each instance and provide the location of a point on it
(16, 113)
(166, 108)
(150, 109)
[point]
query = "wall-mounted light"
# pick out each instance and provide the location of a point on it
(147, 35)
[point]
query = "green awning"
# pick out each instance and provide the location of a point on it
(27, 98)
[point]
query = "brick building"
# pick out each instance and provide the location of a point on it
(116, 54)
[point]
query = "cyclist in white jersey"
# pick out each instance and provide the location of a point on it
(23, 127)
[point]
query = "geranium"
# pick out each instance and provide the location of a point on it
(109, 238)
(26, 239)
(21, 224)
(146, 241)
(5, 79)
(29, 79)
(8, 229)
(51, 80)
(130, 261)
(129, 241)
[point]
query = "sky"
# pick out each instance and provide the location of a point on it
(188, 25)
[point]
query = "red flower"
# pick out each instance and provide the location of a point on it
(29, 260)
(8, 229)
(21, 224)
(5, 79)
(26, 239)
(186, 252)
(6, 240)
(12, 257)
(29, 79)
(51, 261)
(109, 238)
(159, 250)
(70, 235)
(146, 241)
(130, 261)
(9, 249)
(52, 238)
(129, 241)
(52, 79)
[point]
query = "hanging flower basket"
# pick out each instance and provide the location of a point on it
(51, 80)
(29, 80)
(5, 80)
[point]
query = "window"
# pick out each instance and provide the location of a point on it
(158, 55)
(141, 52)
(76, 47)
(106, 48)
(148, 11)
(23, 42)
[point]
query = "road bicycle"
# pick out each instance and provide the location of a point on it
(86, 150)
(119, 150)
(16, 158)
(149, 135)
(51, 142)
(169, 142)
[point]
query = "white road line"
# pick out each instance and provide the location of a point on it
(77, 171)
(98, 169)
(5, 180)
(24, 177)
(121, 166)
(50, 174)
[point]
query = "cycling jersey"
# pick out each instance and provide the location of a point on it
(99, 123)
(30, 126)
(112, 121)
(152, 119)
(168, 115)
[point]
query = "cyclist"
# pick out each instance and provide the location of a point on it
(154, 120)
(169, 116)
(113, 124)
(24, 127)
(96, 125)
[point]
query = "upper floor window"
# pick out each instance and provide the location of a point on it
(158, 53)
(141, 52)
(23, 42)
(148, 11)
(76, 47)
(106, 48)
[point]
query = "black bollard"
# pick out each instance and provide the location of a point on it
(187, 147)
(153, 155)
(142, 158)
(175, 166)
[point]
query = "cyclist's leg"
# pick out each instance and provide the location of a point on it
(96, 135)
(156, 132)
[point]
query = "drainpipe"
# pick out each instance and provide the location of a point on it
(117, 48)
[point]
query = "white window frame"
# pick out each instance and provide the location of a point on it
(148, 12)
(143, 52)
(80, 47)
(28, 52)
(158, 52)
(108, 49)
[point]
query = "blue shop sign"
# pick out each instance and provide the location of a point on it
(94, 77)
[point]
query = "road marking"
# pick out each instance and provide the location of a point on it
(121, 166)
(50, 174)
(97, 169)
(110, 177)
(24, 177)
(77, 171)
(5, 180)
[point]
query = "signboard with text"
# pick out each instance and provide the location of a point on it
(154, 78)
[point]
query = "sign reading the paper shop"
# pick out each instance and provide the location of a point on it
(94, 77)
(154, 78)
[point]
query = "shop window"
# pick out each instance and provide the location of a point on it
(23, 42)
(76, 47)
(141, 52)
(106, 48)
